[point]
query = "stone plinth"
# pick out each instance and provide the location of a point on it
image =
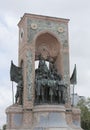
(14, 117)
(18, 118)
(43, 117)
(49, 116)
(55, 117)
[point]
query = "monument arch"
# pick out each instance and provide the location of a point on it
(43, 98)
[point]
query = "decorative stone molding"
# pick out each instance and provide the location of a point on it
(34, 26)
(60, 29)
(29, 74)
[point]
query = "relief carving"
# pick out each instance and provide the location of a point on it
(29, 74)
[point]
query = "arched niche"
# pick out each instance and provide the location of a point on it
(47, 45)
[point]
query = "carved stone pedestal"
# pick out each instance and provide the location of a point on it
(43, 117)
(14, 117)
(49, 117)
(54, 117)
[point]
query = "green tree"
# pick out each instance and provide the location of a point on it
(88, 103)
(84, 105)
(4, 127)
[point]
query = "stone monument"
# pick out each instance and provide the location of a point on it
(42, 100)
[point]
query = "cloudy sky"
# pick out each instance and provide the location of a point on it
(78, 11)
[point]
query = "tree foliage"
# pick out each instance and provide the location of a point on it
(84, 105)
(4, 127)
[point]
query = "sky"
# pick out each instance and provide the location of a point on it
(78, 11)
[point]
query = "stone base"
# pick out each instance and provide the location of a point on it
(52, 117)
(43, 117)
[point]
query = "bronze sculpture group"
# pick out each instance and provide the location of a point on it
(49, 86)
